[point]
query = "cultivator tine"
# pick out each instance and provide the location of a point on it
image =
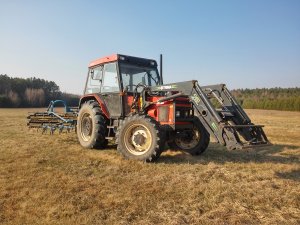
(60, 129)
(67, 128)
(52, 129)
(44, 129)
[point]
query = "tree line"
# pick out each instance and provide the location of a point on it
(287, 99)
(35, 92)
(31, 92)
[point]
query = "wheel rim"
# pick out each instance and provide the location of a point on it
(137, 139)
(86, 127)
(189, 142)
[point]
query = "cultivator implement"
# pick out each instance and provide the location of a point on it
(51, 121)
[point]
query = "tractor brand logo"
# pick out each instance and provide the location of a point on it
(196, 99)
(167, 87)
(214, 126)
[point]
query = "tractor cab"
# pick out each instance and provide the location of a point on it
(121, 73)
(116, 79)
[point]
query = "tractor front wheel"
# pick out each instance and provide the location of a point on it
(139, 138)
(193, 141)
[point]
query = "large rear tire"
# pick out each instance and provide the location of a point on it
(139, 138)
(91, 126)
(194, 141)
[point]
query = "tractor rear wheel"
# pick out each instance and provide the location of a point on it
(193, 141)
(139, 138)
(91, 126)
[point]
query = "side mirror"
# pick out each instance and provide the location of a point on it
(92, 74)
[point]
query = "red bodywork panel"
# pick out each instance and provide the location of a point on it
(152, 110)
(99, 100)
(106, 59)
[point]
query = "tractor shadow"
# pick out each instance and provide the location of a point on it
(284, 154)
(291, 175)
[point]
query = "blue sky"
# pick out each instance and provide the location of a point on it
(245, 44)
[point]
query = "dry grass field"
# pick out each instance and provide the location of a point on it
(51, 180)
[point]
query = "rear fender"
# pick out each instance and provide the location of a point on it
(98, 99)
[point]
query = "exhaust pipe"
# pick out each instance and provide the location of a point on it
(161, 69)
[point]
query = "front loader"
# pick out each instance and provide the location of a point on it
(125, 101)
(229, 124)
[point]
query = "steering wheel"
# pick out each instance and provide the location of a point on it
(129, 85)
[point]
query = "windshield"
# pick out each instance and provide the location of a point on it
(132, 75)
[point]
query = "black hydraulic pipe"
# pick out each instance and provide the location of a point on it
(172, 97)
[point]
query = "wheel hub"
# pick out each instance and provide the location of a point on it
(189, 140)
(86, 127)
(139, 138)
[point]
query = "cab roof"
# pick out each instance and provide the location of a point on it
(125, 58)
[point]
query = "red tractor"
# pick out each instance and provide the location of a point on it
(125, 100)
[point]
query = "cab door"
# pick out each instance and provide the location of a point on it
(110, 90)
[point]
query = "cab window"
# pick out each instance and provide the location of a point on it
(110, 81)
(133, 75)
(94, 80)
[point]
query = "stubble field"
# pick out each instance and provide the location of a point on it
(48, 179)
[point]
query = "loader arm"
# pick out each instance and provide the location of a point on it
(230, 125)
